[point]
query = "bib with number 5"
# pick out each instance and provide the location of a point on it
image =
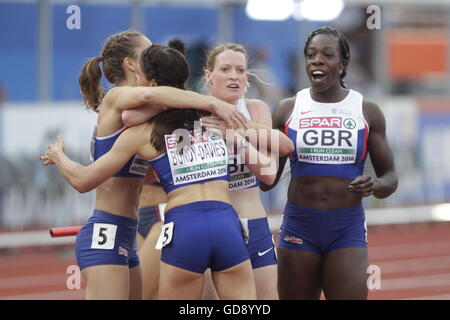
(103, 236)
(166, 235)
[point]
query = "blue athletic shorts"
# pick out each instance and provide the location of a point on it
(260, 243)
(107, 239)
(148, 216)
(322, 231)
(206, 234)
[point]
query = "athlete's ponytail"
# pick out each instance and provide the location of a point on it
(90, 86)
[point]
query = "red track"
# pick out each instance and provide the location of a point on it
(414, 261)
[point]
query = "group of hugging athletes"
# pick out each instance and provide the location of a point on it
(178, 175)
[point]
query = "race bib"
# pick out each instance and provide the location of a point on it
(139, 166)
(206, 157)
(165, 236)
(240, 175)
(327, 140)
(103, 236)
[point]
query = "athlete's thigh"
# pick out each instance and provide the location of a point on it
(139, 240)
(209, 290)
(179, 284)
(266, 282)
(236, 283)
(345, 274)
(150, 259)
(136, 290)
(106, 282)
(299, 274)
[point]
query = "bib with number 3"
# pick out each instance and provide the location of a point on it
(103, 236)
(166, 235)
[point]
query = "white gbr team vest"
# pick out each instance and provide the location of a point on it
(240, 175)
(330, 138)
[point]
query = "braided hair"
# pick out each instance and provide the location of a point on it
(343, 45)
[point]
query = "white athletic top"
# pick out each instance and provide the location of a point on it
(330, 138)
(240, 175)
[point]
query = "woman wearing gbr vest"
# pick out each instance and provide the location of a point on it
(323, 244)
(105, 247)
(226, 76)
(202, 229)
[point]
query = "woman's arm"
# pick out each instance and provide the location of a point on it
(274, 139)
(87, 178)
(261, 122)
(279, 118)
(154, 98)
(262, 163)
(252, 145)
(259, 130)
(381, 157)
(138, 115)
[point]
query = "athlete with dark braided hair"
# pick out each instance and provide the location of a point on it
(323, 243)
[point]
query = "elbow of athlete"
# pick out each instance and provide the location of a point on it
(81, 185)
(81, 188)
(127, 118)
(268, 180)
(148, 97)
(286, 148)
(388, 189)
(266, 187)
(268, 176)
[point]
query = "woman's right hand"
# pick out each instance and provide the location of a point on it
(233, 118)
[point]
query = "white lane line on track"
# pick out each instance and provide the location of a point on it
(409, 250)
(33, 281)
(417, 264)
(53, 295)
(432, 281)
(436, 297)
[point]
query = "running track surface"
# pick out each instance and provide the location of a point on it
(414, 261)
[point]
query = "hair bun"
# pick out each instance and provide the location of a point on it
(177, 44)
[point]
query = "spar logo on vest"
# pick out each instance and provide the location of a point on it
(206, 158)
(327, 140)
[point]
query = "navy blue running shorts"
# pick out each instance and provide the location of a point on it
(322, 231)
(107, 239)
(205, 234)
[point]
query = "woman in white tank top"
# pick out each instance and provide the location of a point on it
(226, 76)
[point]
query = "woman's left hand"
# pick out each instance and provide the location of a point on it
(214, 123)
(363, 185)
(53, 149)
(229, 115)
